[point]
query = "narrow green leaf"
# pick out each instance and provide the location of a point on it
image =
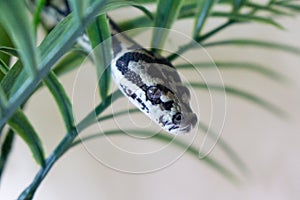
(117, 114)
(293, 7)
(237, 5)
(6, 148)
(11, 76)
(69, 62)
(145, 1)
(54, 46)
(256, 43)
(21, 125)
(242, 94)
(212, 134)
(267, 8)
(36, 16)
(138, 22)
(147, 12)
(283, 1)
(93, 115)
(247, 18)
(9, 51)
(203, 11)
(3, 97)
(167, 138)
(5, 41)
(3, 68)
(79, 7)
(3, 101)
(98, 33)
(166, 13)
(21, 31)
(233, 156)
(225, 2)
(187, 11)
(146, 21)
(61, 99)
(255, 67)
(200, 39)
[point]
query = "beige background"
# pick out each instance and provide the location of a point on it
(269, 145)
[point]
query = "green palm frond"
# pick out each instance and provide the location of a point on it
(56, 55)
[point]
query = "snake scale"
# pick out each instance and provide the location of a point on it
(149, 81)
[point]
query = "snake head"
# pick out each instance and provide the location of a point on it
(154, 86)
(174, 115)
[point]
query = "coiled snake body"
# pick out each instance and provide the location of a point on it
(149, 81)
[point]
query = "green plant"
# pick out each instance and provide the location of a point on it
(41, 66)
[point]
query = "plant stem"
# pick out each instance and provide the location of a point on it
(65, 144)
(50, 161)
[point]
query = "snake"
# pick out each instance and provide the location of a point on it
(147, 79)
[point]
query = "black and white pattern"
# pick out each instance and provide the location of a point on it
(149, 81)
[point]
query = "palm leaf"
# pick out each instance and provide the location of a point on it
(255, 67)
(98, 33)
(256, 43)
(167, 138)
(22, 35)
(242, 94)
(21, 125)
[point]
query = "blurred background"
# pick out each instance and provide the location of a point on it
(268, 144)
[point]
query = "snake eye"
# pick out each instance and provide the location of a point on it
(177, 118)
(153, 93)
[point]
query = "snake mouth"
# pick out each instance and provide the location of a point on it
(185, 129)
(188, 123)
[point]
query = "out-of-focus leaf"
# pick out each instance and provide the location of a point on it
(21, 31)
(69, 62)
(224, 146)
(78, 7)
(36, 16)
(117, 114)
(237, 4)
(203, 11)
(61, 99)
(255, 67)
(248, 18)
(147, 12)
(98, 33)
(242, 94)
(187, 11)
(9, 51)
(166, 13)
(21, 125)
(280, 2)
(256, 43)
(167, 138)
(5, 150)
(3, 102)
(138, 22)
(267, 8)
(93, 115)
(5, 41)
(11, 76)
(3, 97)
(289, 5)
(3, 69)
(54, 46)
(233, 156)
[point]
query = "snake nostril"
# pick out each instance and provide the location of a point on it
(168, 105)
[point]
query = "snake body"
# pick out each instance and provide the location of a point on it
(149, 81)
